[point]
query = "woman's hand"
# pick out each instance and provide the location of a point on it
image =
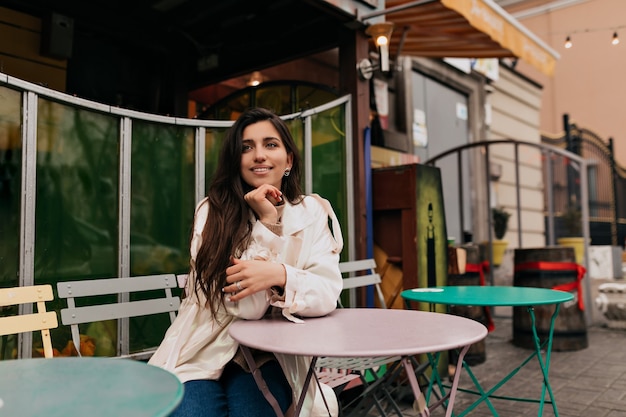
(248, 277)
(263, 201)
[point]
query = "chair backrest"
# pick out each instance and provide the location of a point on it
(21, 323)
(123, 308)
(361, 273)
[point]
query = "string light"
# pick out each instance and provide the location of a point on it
(614, 29)
(568, 42)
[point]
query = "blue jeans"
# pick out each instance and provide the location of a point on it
(235, 394)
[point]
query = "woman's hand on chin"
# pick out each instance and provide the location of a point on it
(263, 202)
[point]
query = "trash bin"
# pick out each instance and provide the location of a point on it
(555, 268)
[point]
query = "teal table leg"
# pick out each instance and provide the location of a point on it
(434, 361)
(545, 365)
(435, 379)
(483, 395)
(451, 395)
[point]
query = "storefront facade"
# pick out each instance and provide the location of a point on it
(88, 193)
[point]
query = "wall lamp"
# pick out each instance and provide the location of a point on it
(255, 79)
(381, 33)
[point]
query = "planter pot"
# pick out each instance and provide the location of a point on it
(578, 243)
(498, 248)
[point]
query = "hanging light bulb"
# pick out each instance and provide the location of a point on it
(568, 42)
(615, 40)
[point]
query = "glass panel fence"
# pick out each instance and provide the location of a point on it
(328, 161)
(162, 206)
(76, 215)
(10, 204)
(79, 192)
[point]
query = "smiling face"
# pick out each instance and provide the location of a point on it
(264, 157)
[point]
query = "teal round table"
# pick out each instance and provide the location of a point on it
(493, 296)
(86, 386)
(487, 296)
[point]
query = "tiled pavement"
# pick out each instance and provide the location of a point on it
(589, 382)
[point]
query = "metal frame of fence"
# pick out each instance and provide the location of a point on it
(548, 152)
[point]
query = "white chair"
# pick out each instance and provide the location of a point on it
(345, 373)
(161, 302)
(21, 323)
(367, 267)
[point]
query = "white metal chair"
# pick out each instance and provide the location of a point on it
(21, 323)
(345, 373)
(369, 277)
(165, 302)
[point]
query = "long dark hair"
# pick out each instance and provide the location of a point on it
(228, 228)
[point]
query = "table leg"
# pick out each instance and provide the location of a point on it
(484, 396)
(260, 382)
(453, 390)
(433, 362)
(545, 365)
(455, 383)
(460, 365)
(258, 378)
(423, 409)
(305, 387)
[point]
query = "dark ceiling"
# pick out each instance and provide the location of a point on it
(215, 39)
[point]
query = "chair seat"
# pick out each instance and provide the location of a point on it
(339, 372)
(336, 378)
(355, 364)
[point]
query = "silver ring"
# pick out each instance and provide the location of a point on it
(238, 284)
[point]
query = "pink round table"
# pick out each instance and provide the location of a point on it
(361, 332)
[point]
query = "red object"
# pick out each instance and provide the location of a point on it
(560, 266)
(481, 268)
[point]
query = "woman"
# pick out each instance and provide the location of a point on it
(256, 242)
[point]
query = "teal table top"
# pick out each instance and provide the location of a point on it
(488, 296)
(86, 386)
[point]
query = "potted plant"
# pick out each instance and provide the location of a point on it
(500, 218)
(572, 223)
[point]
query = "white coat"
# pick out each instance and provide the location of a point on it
(196, 346)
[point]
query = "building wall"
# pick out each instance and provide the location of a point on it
(20, 57)
(516, 104)
(588, 81)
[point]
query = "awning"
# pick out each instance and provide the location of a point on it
(464, 29)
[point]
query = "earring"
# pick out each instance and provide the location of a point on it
(287, 172)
